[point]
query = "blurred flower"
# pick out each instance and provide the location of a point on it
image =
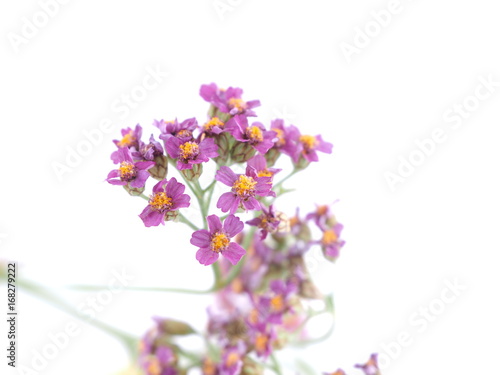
(269, 221)
(217, 240)
(370, 367)
(167, 197)
(310, 144)
(231, 362)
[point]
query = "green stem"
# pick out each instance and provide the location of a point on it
(128, 340)
(185, 220)
(217, 276)
(141, 289)
(275, 364)
(275, 186)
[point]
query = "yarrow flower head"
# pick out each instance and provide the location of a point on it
(148, 151)
(168, 196)
(258, 162)
(217, 240)
(371, 366)
(270, 222)
(229, 100)
(286, 138)
(214, 126)
(255, 135)
(244, 188)
(133, 174)
(183, 131)
(131, 139)
(190, 152)
(309, 145)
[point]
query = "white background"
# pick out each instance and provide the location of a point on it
(440, 224)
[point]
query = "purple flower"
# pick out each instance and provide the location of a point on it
(148, 151)
(338, 372)
(232, 362)
(268, 221)
(370, 367)
(131, 138)
(155, 356)
(129, 172)
(190, 152)
(263, 337)
(256, 135)
(214, 126)
(273, 307)
(228, 101)
(217, 241)
(258, 162)
(167, 196)
(310, 144)
(244, 188)
(287, 138)
(331, 242)
(183, 130)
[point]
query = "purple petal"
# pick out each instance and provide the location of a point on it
(174, 188)
(172, 146)
(159, 187)
(251, 204)
(233, 225)
(209, 148)
(233, 253)
(151, 218)
(206, 256)
(201, 238)
(143, 165)
(214, 224)
(226, 176)
(181, 202)
(140, 180)
(228, 202)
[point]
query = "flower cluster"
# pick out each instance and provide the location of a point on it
(258, 253)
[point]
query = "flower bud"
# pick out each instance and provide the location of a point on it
(159, 170)
(175, 327)
(224, 142)
(242, 152)
(271, 156)
(133, 191)
(194, 173)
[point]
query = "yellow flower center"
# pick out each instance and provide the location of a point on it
(189, 150)
(127, 139)
(244, 186)
(127, 171)
(253, 317)
(214, 122)
(239, 104)
(232, 359)
(309, 141)
(154, 367)
(322, 210)
(261, 342)
(254, 134)
(160, 201)
(219, 242)
(209, 367)
(183, 133)
(277, 304)
(280, 135)
(329, 237)
(264, 173)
